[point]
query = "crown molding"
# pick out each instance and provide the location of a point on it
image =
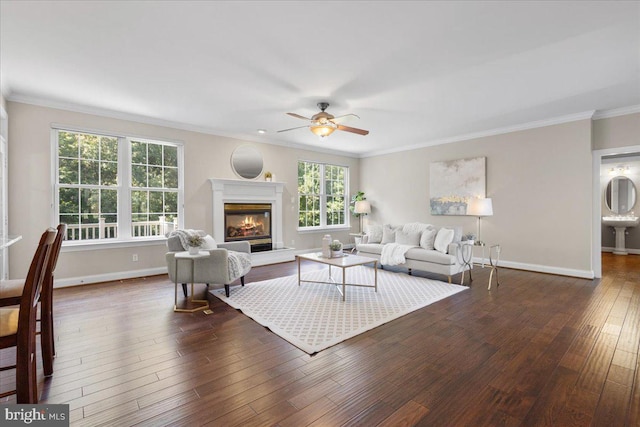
(592, 114)
(103, 112)
(605, 114)
(492, 132)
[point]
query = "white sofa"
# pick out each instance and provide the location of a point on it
(421, 254)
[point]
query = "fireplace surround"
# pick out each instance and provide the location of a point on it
(228, 191)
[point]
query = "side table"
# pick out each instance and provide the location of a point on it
(466, 256)
(204, 304)
(357, 238)
(494, 263)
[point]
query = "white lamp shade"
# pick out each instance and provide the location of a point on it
(480, 207)
(362, 207)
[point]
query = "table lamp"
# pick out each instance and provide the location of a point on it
(480, 208)
(362, 207)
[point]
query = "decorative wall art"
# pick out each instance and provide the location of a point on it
(454, 183)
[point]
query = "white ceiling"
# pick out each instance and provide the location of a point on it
(417, 73)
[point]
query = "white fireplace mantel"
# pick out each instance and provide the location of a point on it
(238, 191)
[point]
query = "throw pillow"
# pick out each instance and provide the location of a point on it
(375, 233)
(457, 232)
(404, 238)
(428, 237)
(443, 239)
(388, 234)
(209, 243)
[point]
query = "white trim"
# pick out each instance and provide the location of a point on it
(596, 214)
(594, 114)
(244, 191)
(85, 245)
(624, 111)
(583, 274)
(631, 251)
(109, 277)
(171, 124)
(491, 132)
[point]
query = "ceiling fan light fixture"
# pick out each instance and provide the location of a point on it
(323, 130)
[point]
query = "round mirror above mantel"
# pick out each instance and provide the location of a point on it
(246, 162)
(620, 195)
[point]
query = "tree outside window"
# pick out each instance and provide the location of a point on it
(91, 170)
(321, 195)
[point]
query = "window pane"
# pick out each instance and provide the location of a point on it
(139, 201)
(67, 144)
(89, 172)
(68, 199)
(109, 149)
(155, 154)
(108, 202)
(170, 178)
(90, 201)
(89, 146)
(109, 173)
(138, 152)
(156, 202)
(68, 171)
(171, 202)
(170, 156)
(155, 177)
(138, 176)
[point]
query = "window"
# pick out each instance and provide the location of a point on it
(113, 188)
(322, 195)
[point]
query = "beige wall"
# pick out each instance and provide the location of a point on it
(206, 156)
(540, 182)
(615, 132)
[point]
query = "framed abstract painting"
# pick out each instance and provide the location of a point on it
(454, 183)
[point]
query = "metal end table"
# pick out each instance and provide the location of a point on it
(203, 304)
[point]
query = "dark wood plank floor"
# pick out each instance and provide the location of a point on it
(539, 350)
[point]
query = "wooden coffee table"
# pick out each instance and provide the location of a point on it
(342, 262)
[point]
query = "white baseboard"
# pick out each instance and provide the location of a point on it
(631, 251)
(108, 277)
(561, 271)
(285, 255)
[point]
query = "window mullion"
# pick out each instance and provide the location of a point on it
(124, 188)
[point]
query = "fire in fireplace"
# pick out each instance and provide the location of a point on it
(250, 222)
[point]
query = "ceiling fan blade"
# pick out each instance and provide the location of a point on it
(353, 130)
(298, 116)
(340, 119)
(299, 127)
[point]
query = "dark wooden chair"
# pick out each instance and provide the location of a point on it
(11, 292)
(18, 325)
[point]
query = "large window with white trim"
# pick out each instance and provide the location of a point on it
(322, 190)
(114, 188)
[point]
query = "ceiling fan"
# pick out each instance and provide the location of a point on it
(323, 124)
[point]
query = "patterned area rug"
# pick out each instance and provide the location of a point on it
(313, 316)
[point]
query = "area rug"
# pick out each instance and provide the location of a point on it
(313, 316)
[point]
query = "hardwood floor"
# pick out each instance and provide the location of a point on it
(539, 350)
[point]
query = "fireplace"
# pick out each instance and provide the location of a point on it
(249, 221)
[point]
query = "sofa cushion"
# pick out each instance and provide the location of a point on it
(419, 254)
(371, 248)
(388, 234)
(428, 237)
(407, 238)
(443, 238)
(374, 234)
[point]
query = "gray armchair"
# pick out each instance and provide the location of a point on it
(230, 261)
